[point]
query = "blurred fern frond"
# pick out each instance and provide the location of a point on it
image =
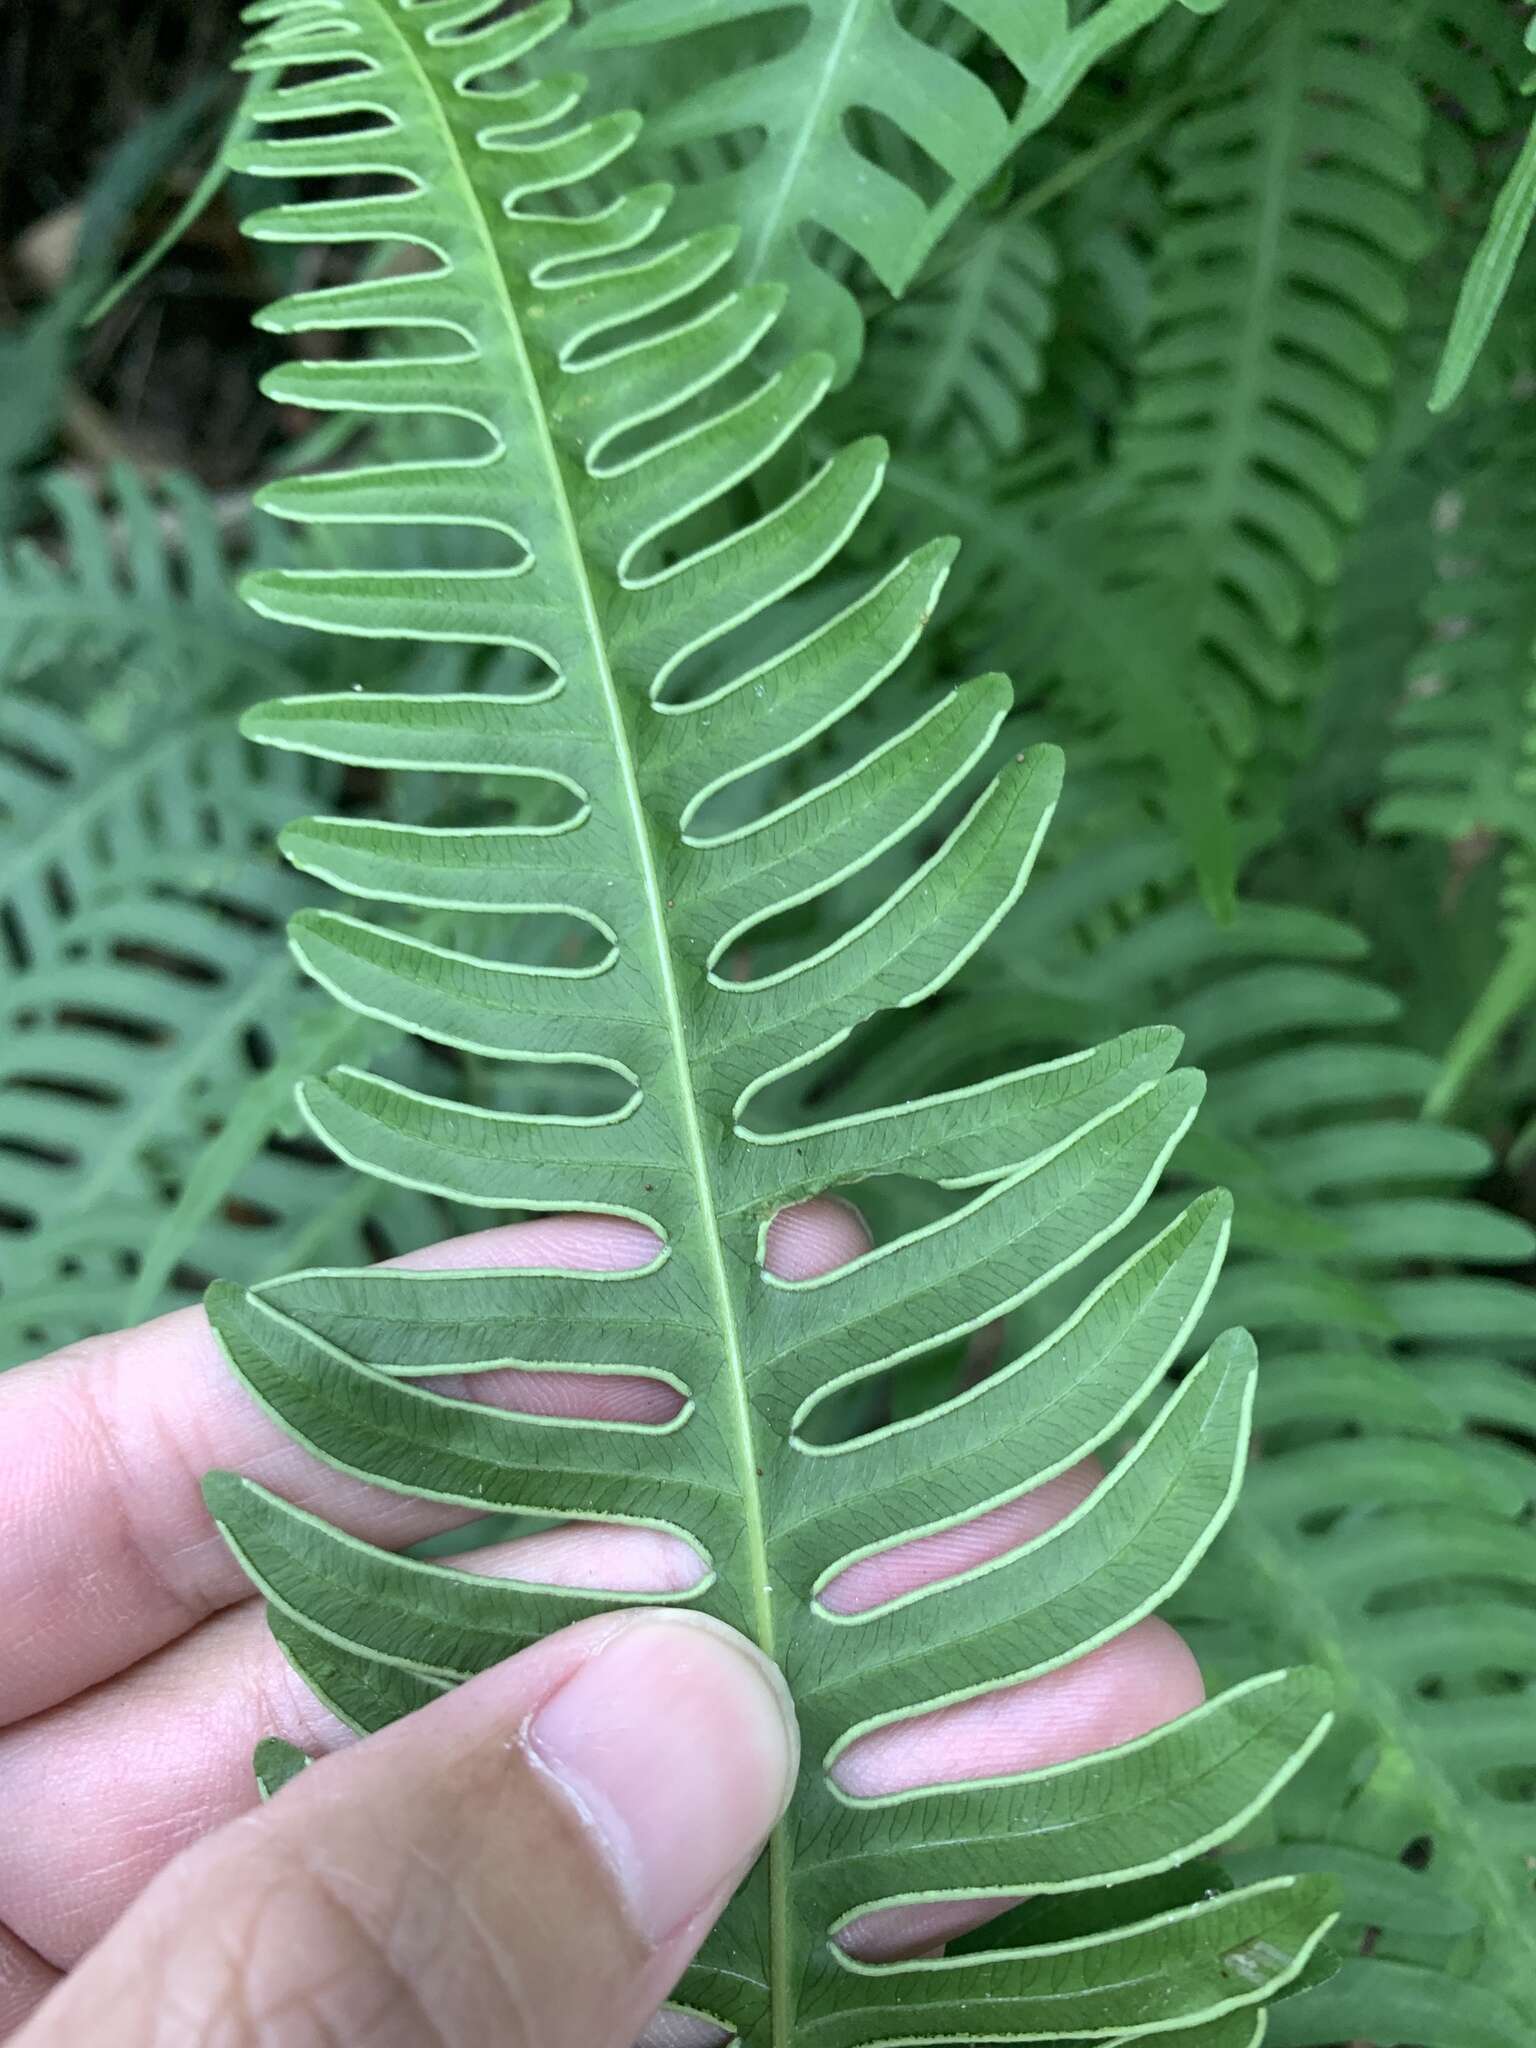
(139, 579)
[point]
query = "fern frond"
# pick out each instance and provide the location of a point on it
(950, 374)
(147, 990)
(128, 1004)
(1464, 772)
(1374, 628)
(807, 185)
(141, 578)
(955, 365)
(1468, 56)
(281, 1204)
(1398, 1552)
(583, 342)
(83, 817)
(1106, 227)
(1490, 272)
(1281, 276)
(1383, 1528)
(123, 1049)
(1455, 776)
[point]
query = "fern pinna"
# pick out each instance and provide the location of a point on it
(580, 338)
(1383, 1534)
(955, 91)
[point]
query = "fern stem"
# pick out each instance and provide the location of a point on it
(1510, 989)
(191, 209)
(1047, 92)
(1087, 163)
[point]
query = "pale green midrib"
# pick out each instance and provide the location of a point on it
(767, 235)
(1309, 1619)
(741, 1414)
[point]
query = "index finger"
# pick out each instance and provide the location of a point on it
(107, 1552)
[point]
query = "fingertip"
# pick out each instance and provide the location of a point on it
(675, 1743)
(598, 1557)
(804, 1241)
(815, 1237)
(579, 1242)
(1123, 1689)
(959, 1546)
(1176, 1684)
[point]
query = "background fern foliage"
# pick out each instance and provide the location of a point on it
(610, 797)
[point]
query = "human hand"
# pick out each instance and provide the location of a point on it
(532, 1859)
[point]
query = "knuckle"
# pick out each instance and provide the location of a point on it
(328, 1958)
(288, 1963)
(93, 1417)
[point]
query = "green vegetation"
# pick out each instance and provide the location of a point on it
(617, 793)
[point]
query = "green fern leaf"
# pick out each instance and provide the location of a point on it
(1401, 1561)
(168, 960)
(277, 1764)
(548, 334)
(814, 185)
(1490, 272)
(1280, 279)
(1465, 771)
(141, 578)
(254, 1113)
(86, 817)
(1382, 1531)
(958, 361)
(147, 987)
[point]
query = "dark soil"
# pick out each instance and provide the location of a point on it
(169, 377)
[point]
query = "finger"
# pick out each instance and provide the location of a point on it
(1128, 1687)
(926, 1560)
(532, 1859)
(149, 1787)
(25, 1981)
(106, 1792)
(1124, 1689)
(101, 1793)
(152, 1759)
(139, 1767)
(106, 1549)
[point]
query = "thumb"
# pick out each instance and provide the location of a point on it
(530, 1860)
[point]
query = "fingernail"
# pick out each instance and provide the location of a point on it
(675, 1742)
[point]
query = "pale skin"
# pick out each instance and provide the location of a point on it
(530, 1861)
